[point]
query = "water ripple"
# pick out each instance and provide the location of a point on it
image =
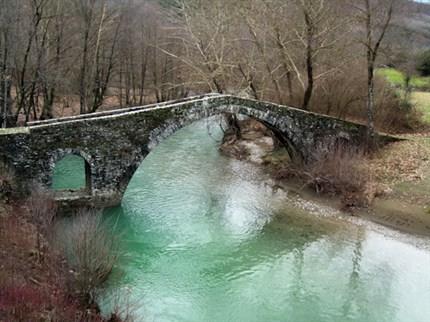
(206, 240)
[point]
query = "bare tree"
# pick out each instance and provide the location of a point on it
(318, 30)
(201, 27)
(83, 51)
(100, 30)
(258, 30)
(7, 17)
(23, 64)
(86, 9)
(50, 77)
(375, 17)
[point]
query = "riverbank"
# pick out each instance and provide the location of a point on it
(35, 278)
(396, 194)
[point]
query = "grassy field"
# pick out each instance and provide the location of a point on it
(396, 78)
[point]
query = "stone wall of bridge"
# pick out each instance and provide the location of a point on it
(115, 143)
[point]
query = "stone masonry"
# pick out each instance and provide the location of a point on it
(115, 143)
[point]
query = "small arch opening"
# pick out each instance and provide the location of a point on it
(72, 173)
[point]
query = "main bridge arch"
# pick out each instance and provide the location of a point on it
(171, 125)
(114, 143)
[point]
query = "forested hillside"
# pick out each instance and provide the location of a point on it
(231, 207)
(62, 57)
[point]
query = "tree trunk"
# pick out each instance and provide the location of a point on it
(370, 66)
(370, 103)
(85, 51)
(309, 62)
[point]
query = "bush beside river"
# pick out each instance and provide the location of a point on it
(388, 186)
(37, 282)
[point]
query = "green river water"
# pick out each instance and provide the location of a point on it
(205, 239)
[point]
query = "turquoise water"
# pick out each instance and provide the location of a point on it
(205, 239)
(69, 173)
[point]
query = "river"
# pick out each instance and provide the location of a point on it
(204, 238)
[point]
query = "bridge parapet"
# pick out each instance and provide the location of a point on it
(118, 111)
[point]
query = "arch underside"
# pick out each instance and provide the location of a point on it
(58, 155)
(270, 120)
(172, 125)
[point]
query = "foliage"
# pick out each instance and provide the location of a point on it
(31, 303)
(336, 169)
(42, 207)
(7, 183)
(69, 57)
(32, 289)
(397, 78)
(34, 277)
(394, 113)
(423, 64)
(42, 210)
(343, 95)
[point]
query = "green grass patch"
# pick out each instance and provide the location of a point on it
(397, 78)
(392, 75)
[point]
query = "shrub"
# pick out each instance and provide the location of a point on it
(124, 309)
(33, 277)
(340, 169)
(337, 169)
(343, 95)
(42, 211)
(394, 113)
(42, 208)
(423, 63)
(91, 250)
(7, 183)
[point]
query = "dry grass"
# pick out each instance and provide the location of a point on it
(403, 161)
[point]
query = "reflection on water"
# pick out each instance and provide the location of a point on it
(205, 240)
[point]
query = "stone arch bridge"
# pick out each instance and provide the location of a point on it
(114, 143)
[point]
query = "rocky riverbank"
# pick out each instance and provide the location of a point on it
(394, 189)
